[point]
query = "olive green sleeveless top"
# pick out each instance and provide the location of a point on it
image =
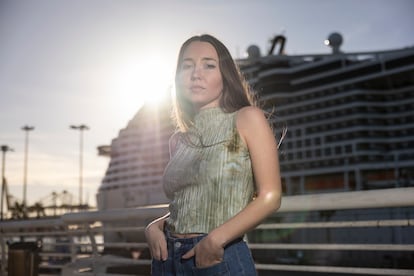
(209, 178)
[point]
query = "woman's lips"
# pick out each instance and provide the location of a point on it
(196, 88)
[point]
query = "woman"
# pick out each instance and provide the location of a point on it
(223, 177)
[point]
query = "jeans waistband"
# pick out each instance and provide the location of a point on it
(194, 240)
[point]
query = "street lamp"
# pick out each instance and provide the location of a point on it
(81, 128)
(26, 149)
(4, 149)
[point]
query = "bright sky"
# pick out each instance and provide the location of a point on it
(94, 62)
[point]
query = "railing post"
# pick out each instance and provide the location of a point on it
(91, 236)
(3, 256)
(72, 245)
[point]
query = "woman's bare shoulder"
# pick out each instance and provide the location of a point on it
(249, 115)
(251, 122)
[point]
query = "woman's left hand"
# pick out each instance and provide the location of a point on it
(207, 253)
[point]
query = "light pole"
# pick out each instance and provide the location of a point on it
(26, 128)
(81, 128)
(4, 149)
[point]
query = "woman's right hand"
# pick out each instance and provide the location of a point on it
(156, 240)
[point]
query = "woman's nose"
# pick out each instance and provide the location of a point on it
(196, 74)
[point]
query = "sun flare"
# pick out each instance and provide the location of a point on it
(139, 81)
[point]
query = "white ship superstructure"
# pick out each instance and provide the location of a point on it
(138, 157)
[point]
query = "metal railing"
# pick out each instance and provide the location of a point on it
(73, 243)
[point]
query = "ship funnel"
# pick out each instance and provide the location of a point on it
(334, 41)
(279, 39)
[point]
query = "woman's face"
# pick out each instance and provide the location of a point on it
(199, 76)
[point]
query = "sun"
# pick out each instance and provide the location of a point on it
(156, 79)
(140, 80)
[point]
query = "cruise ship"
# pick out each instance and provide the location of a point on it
(350, 127)
(349, 120)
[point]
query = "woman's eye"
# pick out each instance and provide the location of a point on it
(185, 66)
(210, 66)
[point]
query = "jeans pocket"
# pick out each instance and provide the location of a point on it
(217, 269)
(157, 268)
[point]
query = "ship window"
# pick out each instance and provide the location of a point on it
(318, 153)
(338, 150)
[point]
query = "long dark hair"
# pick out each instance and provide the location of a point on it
(236, 91)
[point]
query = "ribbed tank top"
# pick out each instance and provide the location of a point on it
(209, 178)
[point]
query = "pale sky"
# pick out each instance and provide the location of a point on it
(94, 62)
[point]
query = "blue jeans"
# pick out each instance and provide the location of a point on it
(237, 260)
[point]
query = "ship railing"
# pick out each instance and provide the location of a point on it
(73, 243)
